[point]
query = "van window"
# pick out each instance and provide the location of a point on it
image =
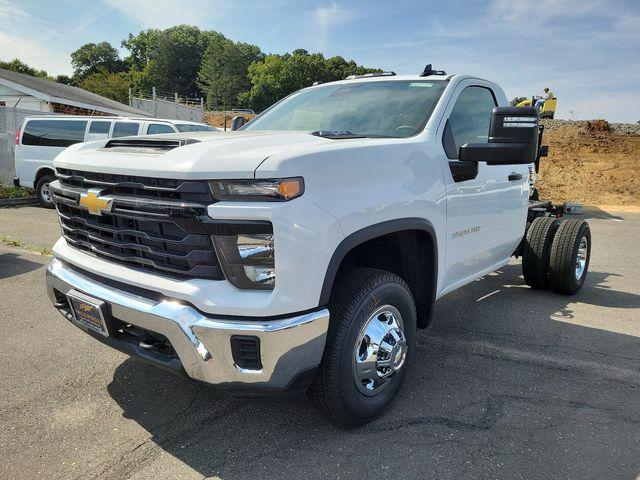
(98, 130)
(125, 129)
(159, 128)
(53, 133)
(187, 127)
(100, 127)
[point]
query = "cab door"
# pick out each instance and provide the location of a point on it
(486, 204)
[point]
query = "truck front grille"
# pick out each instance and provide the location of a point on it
(156, 225)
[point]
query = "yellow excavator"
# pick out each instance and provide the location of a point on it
(548, 110)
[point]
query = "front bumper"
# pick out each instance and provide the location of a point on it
(290, 348)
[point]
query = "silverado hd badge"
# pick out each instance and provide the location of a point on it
(94, 203)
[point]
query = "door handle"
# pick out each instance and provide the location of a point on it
(515, 176)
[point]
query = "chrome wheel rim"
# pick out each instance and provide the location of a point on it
(581, 258)
(380, 351)
(45, 193)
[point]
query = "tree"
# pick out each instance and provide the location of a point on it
(93, 57)
(175, 59)
(108, 84)
(141, 47)
(223, 76)
(279, 75)
(516, 100)
(19, 66)
(65, 79)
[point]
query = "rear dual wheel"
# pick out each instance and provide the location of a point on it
(536, 253)
(570, 254)
(556, 255)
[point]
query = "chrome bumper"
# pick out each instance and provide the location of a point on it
(289, 346)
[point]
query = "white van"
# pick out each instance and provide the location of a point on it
(41, 139)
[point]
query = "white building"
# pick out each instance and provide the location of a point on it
(25, 92)
(22, 96)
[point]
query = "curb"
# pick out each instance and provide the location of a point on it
(18, 202)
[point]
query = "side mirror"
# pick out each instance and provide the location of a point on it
(237, 122)
(513, 138)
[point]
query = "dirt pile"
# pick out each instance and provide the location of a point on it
(217, 119)
(594, 163)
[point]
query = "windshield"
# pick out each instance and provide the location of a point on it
(370, 109)
(188, 127)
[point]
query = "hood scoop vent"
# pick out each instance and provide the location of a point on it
(148, 145)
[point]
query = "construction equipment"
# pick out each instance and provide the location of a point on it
(548, 110)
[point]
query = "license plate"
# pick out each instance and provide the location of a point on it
(88, 313)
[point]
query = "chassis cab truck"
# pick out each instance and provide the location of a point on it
(302, 252)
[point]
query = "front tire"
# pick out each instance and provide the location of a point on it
(369, 347)
(43, 191)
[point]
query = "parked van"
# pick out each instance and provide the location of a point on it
(41, 139)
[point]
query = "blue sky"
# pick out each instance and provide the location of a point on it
(587, 51)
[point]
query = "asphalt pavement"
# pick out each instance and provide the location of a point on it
(506, 383)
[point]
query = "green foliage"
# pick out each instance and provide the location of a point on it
(223, 73)
(19, 66)
(13, 192)
(192, 62)
(175, 58)
(93, 57)
(516, 100)
(108, 84)
(141, 47)
(279, 75)
(65, 79)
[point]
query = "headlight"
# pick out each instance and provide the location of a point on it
(248, 260)
(270, 190)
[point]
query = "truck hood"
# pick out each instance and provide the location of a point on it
(213, 155)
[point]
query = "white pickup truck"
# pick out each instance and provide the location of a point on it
(302, 252)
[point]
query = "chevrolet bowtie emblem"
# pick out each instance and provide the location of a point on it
(94, 203)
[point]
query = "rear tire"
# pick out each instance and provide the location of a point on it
(43, 192)
(537, 252)
(570, 255)
(356, 380)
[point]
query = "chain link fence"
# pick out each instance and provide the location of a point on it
(10, 121)
(169, 106)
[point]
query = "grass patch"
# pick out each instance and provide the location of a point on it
(14, 242)
(14, 192)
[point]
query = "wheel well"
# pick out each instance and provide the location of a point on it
(410, 254)
(41, 173)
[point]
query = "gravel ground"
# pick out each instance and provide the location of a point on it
(615, 128)
(506, 383)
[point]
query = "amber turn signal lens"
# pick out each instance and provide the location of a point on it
(290, 188)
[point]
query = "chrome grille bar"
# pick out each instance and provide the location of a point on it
(161, 234)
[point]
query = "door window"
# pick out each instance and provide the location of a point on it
(53, 133)
(470, 117)
(98, 130)
(125, 129)
(155, 128)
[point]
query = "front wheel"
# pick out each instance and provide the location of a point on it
(369, 347)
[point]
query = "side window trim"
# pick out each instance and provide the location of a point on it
(448, 142)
